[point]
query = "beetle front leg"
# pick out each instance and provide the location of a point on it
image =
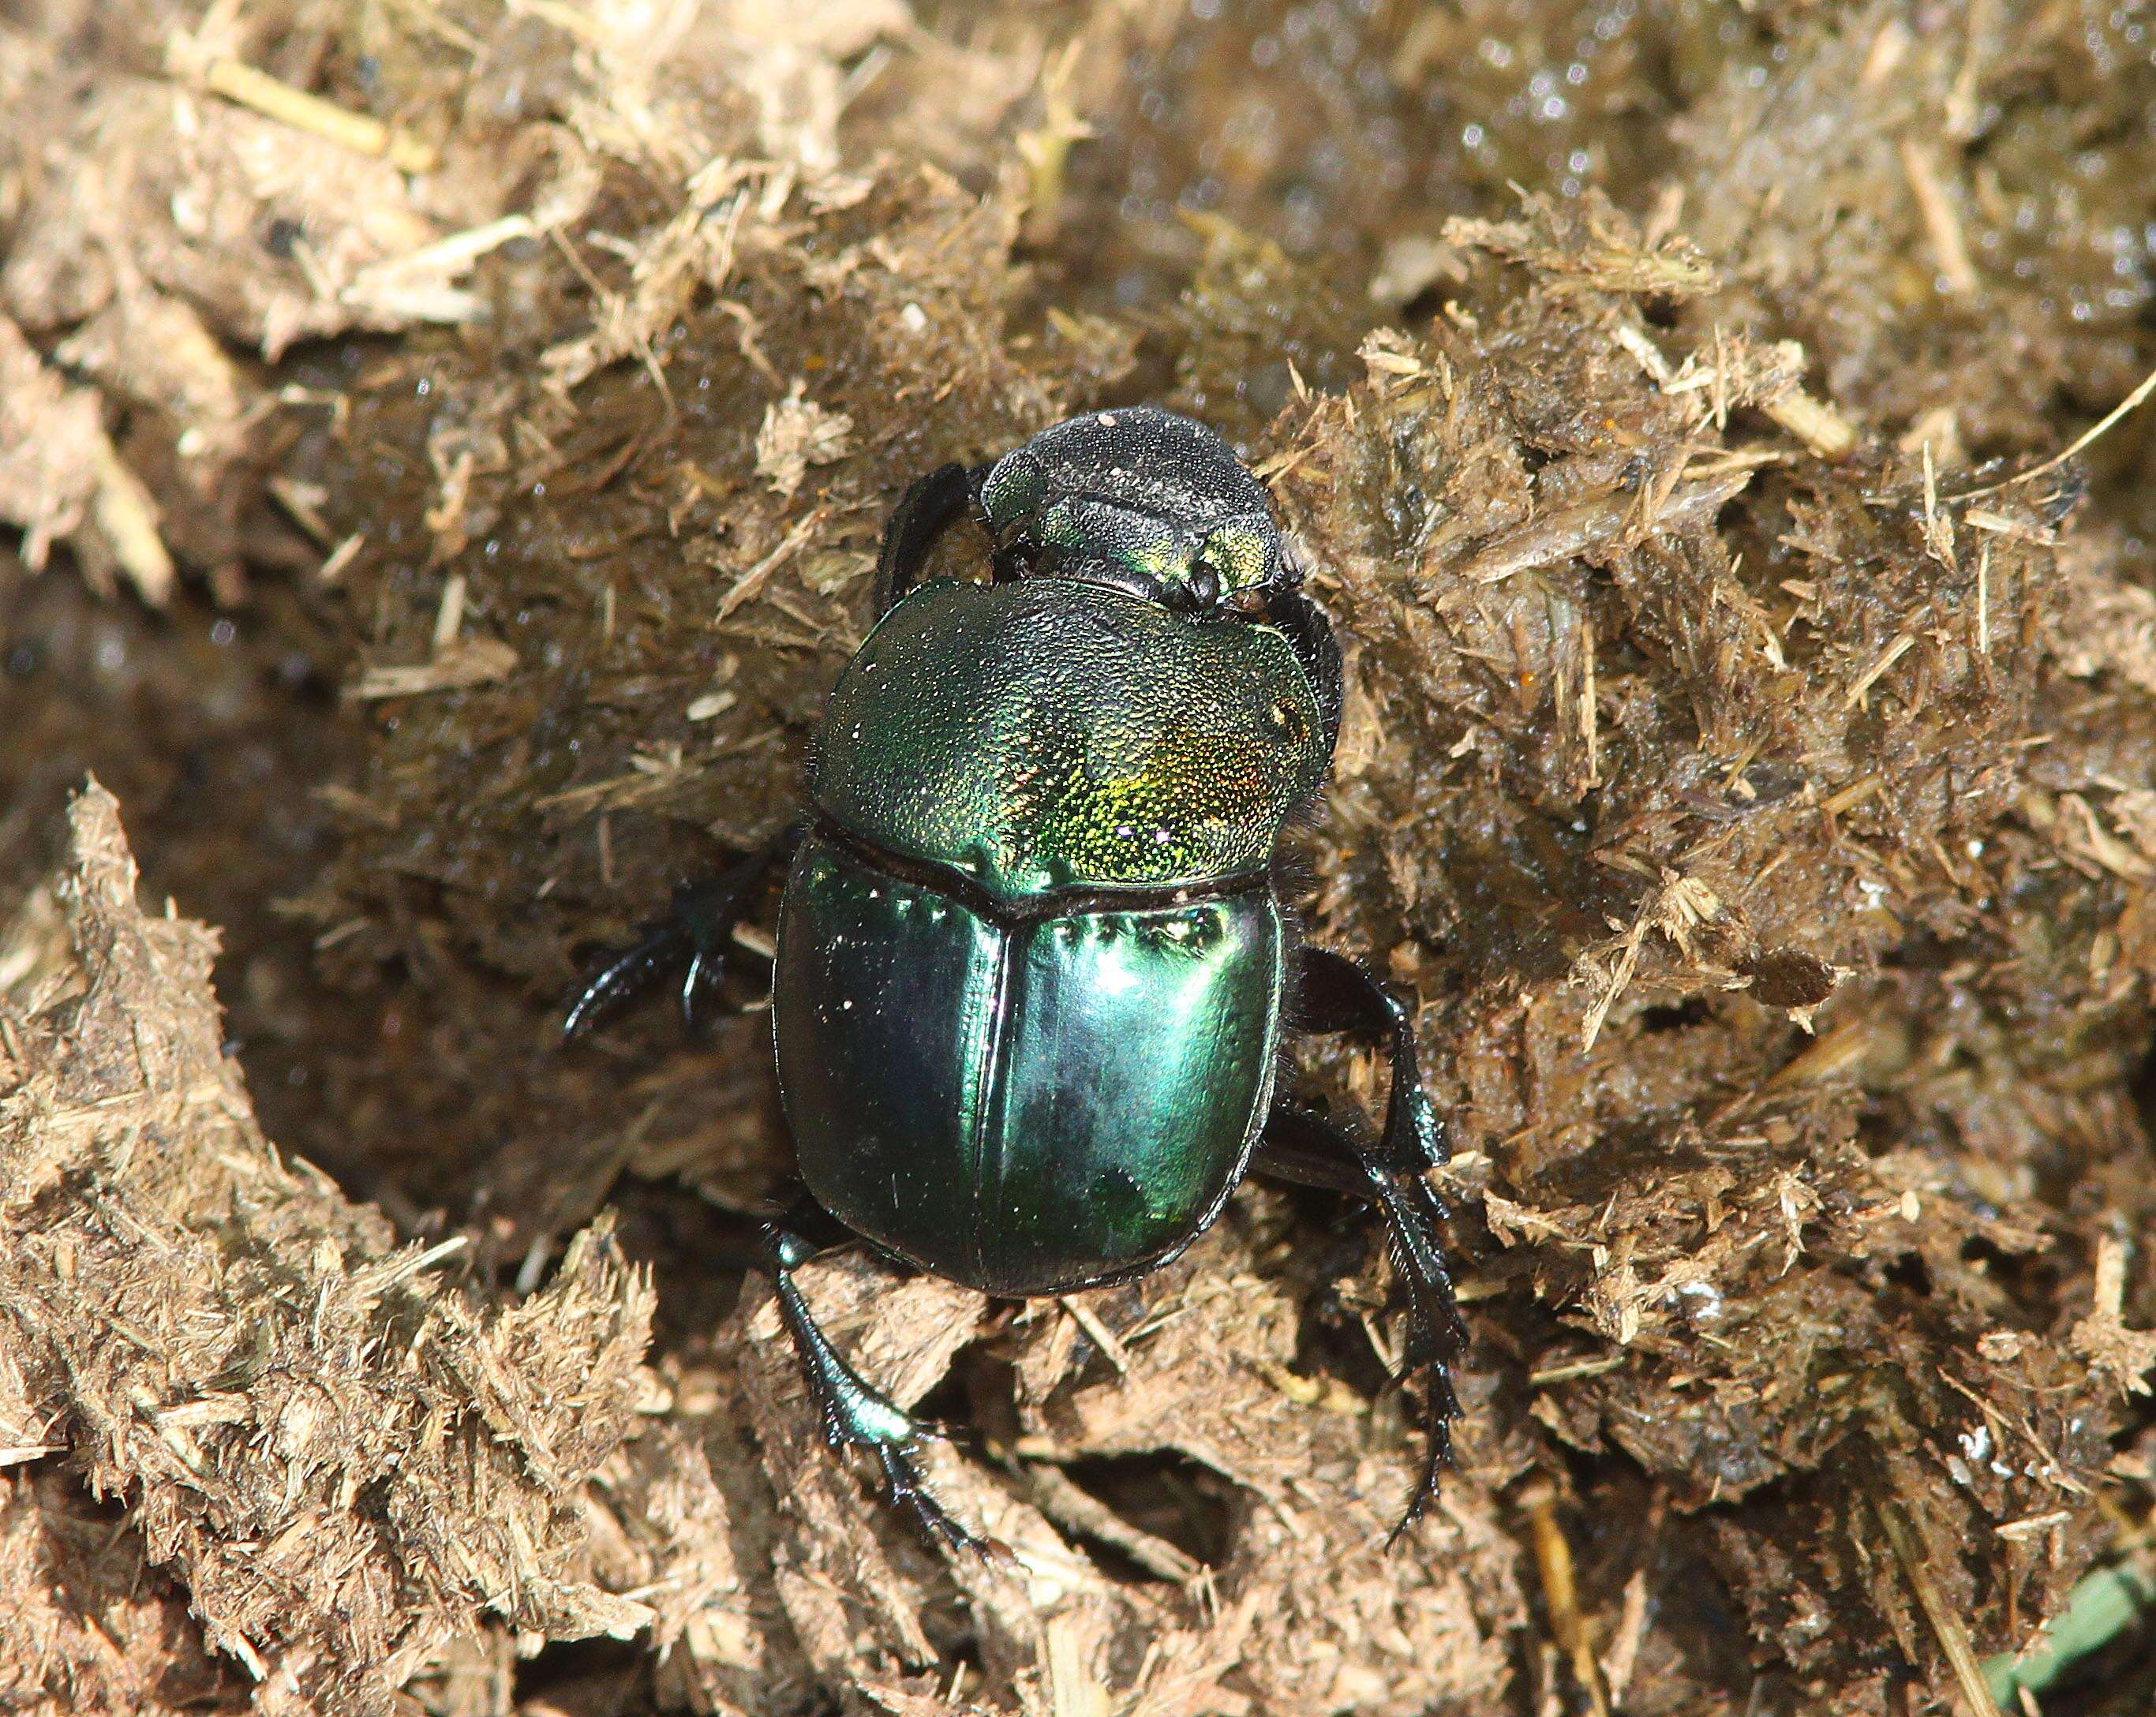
(694, 936)
(929, 506)
(1301, 1146)
(853, 1413)
(1309, 634)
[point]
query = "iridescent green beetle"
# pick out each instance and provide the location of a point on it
(1033, 967)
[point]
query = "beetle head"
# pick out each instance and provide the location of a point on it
(1138, 499)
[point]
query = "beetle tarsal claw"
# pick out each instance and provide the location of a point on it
(692, 981)
(695, 934)
(620, 977)
(903, 1483)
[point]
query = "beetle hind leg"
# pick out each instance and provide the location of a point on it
(1301, 1145)
(694, 937)
(855, 1414)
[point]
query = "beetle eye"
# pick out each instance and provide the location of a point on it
(1205, 584)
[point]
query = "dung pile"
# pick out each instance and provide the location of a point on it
(1749, 763)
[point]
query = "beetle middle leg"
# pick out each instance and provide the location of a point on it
(1336, 995)
(1312, 1150)
(695, 935)
(853, 1413)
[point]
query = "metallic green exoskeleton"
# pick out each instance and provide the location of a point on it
(1033, 968)
(1028, 989)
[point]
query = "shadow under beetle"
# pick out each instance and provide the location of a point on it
(1033, 968)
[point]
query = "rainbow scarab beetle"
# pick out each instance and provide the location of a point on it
(1033, 967)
